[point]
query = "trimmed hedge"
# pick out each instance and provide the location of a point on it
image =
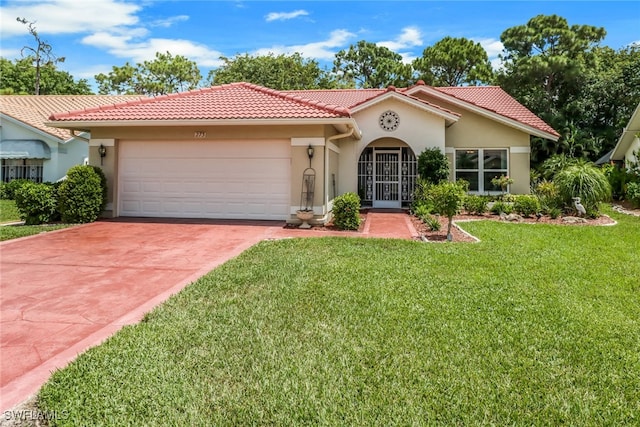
(8, 189)
(81, 195)
(346, 211)
(475, 205)
(36, 203)
(526, 205)
(501, 207)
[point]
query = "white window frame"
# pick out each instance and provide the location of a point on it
(481, 170)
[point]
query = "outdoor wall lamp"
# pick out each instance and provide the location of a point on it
(102, 150)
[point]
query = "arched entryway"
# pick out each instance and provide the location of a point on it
(386, 175)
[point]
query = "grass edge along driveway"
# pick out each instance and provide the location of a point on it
(535, 325)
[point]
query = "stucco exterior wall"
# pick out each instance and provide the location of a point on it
(629, 156)
(474, 131)
(334, 175)
(418, 129)
(71, 154)
(300, 162)
(210, 132)
(109, 167)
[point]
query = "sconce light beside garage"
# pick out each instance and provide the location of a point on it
(310, 151)
(102, 150)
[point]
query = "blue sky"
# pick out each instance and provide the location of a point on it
(95, 35)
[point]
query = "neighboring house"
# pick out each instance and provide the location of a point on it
(240, 150)
(628, 147)
(31, 150)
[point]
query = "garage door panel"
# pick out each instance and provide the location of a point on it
(205, 180)
(261, 149)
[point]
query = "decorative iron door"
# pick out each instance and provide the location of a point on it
(387, 179)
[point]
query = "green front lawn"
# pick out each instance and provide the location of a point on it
(535, 325)
(8, 211)
(8, 232)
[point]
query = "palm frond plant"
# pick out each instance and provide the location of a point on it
(586, 181)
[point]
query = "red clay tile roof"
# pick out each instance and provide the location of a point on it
(238, 101)
(346, 97)
(352, 98)
(35, 110)
(494, 99)
(225, 102)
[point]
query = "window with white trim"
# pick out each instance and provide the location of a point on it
(480, 166)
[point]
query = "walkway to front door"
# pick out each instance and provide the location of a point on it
(386, 176)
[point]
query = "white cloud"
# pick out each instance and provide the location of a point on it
(111, 25)
(167, 22)
(325, 49)
(284, 16)
(494, 48)
(67, 16)
(409, 37)
(126, 46)
(9, 53)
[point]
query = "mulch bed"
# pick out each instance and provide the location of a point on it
(331, 227)
(459, 235)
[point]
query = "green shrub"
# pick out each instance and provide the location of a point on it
(554, 164)
(583, 180)
(36, 203)
(346, 211)
(501, 207)
(8, 189)
(447, 200)
(554, 212)
(526, 205)
(422, 209)
(433, 165)
(633, 193)
(81, 195)
(423, 213)
(103, 185)
(508, 198)
(548, 195)
(432, 222)
(618, 178)
(420, 195)
(475, 205)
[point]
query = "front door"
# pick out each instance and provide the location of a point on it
(387, 179)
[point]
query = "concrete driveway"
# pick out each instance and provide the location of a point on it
(68, 290)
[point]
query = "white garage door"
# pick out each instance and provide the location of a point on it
(205, 179)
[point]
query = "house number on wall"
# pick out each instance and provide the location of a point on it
(199, 134)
